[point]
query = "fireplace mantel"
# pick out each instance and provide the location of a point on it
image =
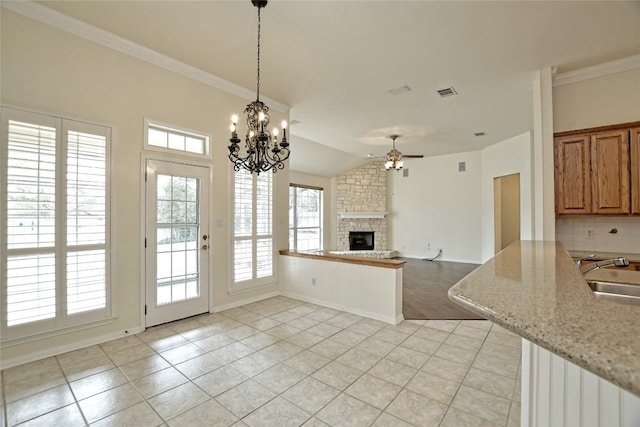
(368, 215)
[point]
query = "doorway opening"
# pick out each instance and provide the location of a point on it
(506, 210)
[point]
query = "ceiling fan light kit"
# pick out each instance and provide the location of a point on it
(262, 153)
(394, 157)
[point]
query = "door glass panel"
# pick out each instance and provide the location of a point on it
(178, 235)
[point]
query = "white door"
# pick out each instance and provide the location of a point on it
(177, 241)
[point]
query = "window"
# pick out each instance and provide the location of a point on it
(170, 139)
(55, 222)
(252, 230)
(305, 218)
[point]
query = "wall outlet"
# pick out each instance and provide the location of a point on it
(313, 281)
(589, 234)
(428, 245)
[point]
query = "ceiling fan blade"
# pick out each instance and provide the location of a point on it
(412, 156)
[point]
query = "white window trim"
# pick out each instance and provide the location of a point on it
(71, 323)
(154, 123)
(252, 284)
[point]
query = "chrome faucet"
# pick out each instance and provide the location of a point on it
(579, 260)
(618, 262)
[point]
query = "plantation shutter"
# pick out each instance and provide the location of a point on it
(253, 225)
(31, 221)
(86, 219)
(264, 223)
(55, 250)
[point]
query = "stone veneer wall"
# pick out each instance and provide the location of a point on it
(362, 190)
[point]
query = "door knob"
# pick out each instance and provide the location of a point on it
(205, 247)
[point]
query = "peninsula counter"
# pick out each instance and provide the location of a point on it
(580, 354)
(369, 287)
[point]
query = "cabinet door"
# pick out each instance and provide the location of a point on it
(572, 174)
(610, 172)
(635, 171)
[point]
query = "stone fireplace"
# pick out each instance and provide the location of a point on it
(361, 204)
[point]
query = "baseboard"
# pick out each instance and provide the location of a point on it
(57, 350)
(218, 308)
(422, 257)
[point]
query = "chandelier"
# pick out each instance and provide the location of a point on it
(262, 151)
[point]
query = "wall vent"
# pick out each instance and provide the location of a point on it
(462, 166)
(446, 92)
(405, 173)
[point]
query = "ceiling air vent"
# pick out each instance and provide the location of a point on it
(446, 92)
(480, 133)
(399, 90)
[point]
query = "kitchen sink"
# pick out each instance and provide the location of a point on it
(623, 293)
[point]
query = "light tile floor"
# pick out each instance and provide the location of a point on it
(277, 362)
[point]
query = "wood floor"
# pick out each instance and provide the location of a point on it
(425, 286)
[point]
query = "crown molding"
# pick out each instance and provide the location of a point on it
(83, 30)
(617, 66)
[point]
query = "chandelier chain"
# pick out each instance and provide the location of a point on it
(258, 83)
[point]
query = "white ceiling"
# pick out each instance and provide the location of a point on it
(333, 62)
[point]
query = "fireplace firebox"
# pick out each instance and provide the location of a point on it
(361, 240)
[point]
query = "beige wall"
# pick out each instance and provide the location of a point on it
(48, 70)
(611, 99)
(436, 206)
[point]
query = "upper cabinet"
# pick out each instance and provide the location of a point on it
(573, 174)
(635, 170)
(610, 173)
(597, 171)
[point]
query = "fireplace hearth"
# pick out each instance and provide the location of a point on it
(361, 240)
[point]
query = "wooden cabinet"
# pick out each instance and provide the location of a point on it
(610, 173)
(597, 171)
(635, 170)
(573, 174)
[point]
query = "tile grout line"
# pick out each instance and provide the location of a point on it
(76, 402)
(361, 374)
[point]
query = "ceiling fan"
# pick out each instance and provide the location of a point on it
(394, 157)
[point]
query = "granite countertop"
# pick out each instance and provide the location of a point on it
(534, 289)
